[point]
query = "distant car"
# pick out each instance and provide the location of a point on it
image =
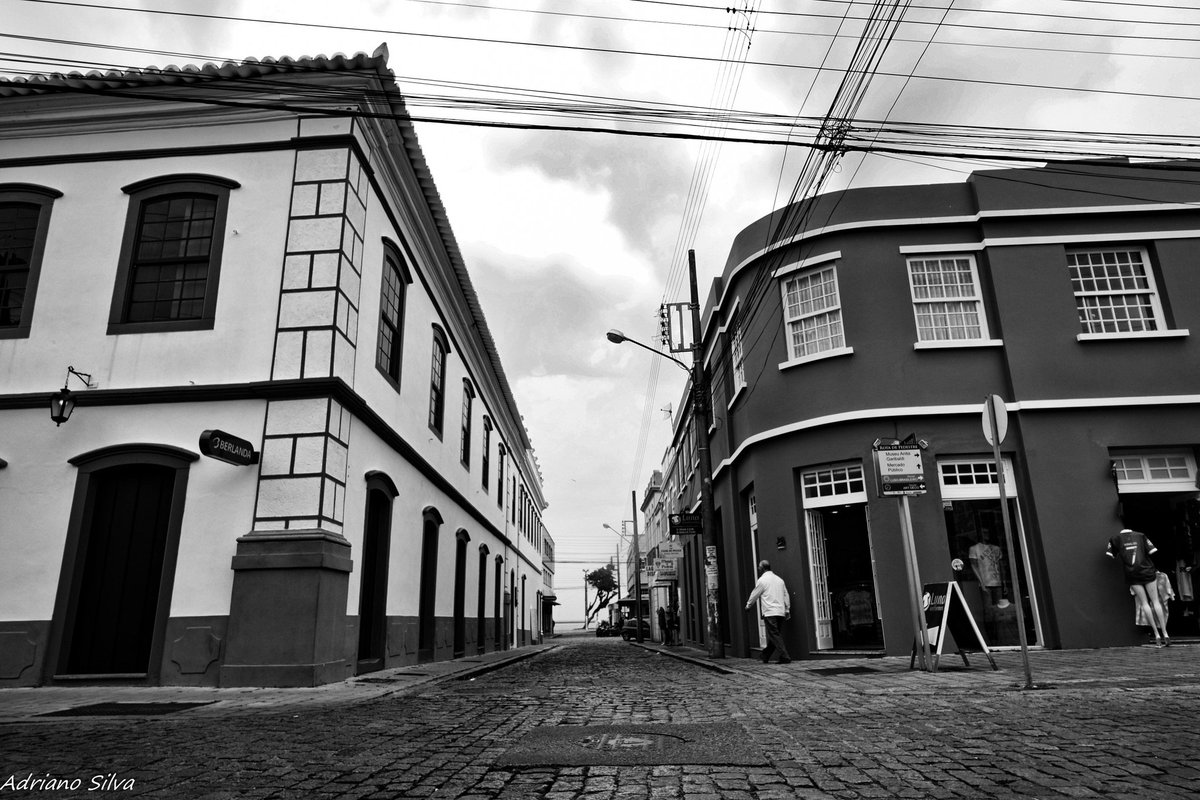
(606, 628)
(630, 629)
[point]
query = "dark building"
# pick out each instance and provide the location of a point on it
(876, 315)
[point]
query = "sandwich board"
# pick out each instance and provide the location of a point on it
(946, 610)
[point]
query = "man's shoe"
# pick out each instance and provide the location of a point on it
(785, 661)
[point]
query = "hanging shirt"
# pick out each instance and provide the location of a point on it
(1133, 550)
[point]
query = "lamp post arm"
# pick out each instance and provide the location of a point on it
(682, 365)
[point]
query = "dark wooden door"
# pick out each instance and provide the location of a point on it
(119, 570)
(372, 599)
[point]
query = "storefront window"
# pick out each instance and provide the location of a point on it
(975, 528)
(976, 531)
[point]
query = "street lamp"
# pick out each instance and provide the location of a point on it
(702, 415)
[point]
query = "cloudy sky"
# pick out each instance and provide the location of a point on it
(570, 233)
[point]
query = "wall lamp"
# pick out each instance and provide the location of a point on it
(63, 403)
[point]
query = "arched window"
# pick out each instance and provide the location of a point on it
(171, 254)
(391, 312)
(500, 452)
(486, 447)
(437, 381)
(24, 221)
(464, 452)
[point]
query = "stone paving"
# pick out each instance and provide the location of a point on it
(1118, 723)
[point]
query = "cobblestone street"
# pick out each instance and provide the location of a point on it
(1103, 723)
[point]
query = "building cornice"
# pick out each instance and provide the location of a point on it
(973, 409)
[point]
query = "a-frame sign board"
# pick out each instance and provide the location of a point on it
(946, 610)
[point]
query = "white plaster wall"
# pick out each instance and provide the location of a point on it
(368, 453)
(79, 268)
(38, 486)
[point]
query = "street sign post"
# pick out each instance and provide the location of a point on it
(995, 425)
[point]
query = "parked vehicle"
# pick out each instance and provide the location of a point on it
(629, 629)
(606, 628)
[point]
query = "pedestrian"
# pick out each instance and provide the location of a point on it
(672, 624)
(662, 623)
(1133, 549)
(772, 595)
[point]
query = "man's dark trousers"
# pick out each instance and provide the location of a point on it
(774, 640)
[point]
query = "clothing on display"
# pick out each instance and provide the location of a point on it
(1133, 550)
(985, 560)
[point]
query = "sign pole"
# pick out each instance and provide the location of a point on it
(914, 581)
(990, 412)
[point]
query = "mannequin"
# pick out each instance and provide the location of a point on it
(1133, 550)
(985, 560)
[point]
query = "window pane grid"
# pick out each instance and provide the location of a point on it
(813, 313)
(1114, 291)
(946, 299)
(18, 227)
(968, 473)
(169, 272)
(437, 385)
(1163, 467)
(387, 357)
(833, 482)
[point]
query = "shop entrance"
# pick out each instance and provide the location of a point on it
(1172, 523)
(975, 531)
(850, 600)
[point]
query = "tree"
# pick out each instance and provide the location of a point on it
(605, 584)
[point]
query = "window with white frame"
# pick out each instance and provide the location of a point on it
(812, 312)
(736, 357)
(946, 299)
(974, 478)
(840, 481)
(1114, 290)
(1155, 472)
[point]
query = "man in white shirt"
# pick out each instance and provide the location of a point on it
(771, 593)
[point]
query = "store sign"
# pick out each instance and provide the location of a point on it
(228, 448)
(900, 470)
(684, 524)
(670, 550)
(664, 569)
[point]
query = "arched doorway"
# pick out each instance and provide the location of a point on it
(481, 610)
(460, 593)
(497, 610)
(426, 617)
(373, 566)
(114, 593)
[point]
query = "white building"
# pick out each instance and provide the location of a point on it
(257, 249)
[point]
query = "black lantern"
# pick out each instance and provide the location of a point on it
(61, 406)
(63, 403)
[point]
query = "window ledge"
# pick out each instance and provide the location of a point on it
(1109, 337)
(736, 395)
(795, 362)
(944, 344)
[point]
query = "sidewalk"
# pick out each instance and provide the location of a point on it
(27, 704)
(1128, 668)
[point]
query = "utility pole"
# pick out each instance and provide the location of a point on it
(702, 419)
(637, 575)
(585, 602)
